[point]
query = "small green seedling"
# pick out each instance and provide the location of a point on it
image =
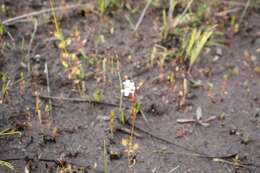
(103, 5)
(1, 29)
(194, 46)
(7, 165)
(98, 95)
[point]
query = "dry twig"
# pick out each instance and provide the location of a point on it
(48, 89)
(142, 14)
(79, 100)
(13, 20)
(30, 44)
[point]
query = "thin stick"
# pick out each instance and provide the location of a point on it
(127, 131)
(57, 161)
(142, 15)
(79, 100)
(238, 3)
(48, 89)
(105, 158)
(183, 13)
(163, 151)
(36, 13)
(244, 13)
(226, 12)
(170, 12)
(187, 8)
(144, 117)
(174, 169)
(30, 44)
(10, 36)
(231, 163)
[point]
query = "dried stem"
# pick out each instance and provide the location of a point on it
(48, 89)
(30, 44)
(13, 20)
(142, 15)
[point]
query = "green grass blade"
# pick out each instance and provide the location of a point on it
(6, 164)
(201, 42)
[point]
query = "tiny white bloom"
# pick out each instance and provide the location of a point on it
(128, 88)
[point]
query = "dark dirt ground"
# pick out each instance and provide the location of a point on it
(82, 126)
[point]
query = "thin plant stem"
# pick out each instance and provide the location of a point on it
(48, 90)
(105, 158)
(142, 15)
(244, 12)
(121, 94)
(30, 44)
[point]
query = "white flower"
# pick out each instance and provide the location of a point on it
(128, 88)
